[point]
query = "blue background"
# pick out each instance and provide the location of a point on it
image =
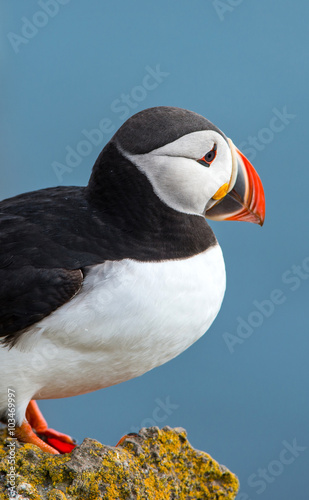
(234, 62)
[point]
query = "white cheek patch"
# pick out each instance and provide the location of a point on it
(181, 183)
(178, 179)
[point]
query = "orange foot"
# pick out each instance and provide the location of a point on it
(55, 441)
(120, 442)
(25, 434)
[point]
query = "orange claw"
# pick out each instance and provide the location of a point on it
(25, 434)
(120, 442)
(59, 442)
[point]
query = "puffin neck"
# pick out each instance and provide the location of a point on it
(125, 197)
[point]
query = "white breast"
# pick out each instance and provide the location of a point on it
(128, 318)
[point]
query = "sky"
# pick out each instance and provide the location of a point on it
(69, 67)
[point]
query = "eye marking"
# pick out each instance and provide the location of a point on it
(209, 157)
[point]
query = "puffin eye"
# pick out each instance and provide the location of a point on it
(209, 157)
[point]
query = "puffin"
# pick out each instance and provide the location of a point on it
(100, 284)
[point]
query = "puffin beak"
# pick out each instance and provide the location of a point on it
(245, 199)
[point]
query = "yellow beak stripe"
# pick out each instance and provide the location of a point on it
(222, 191)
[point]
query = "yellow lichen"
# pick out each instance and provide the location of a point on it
(56, 494)
(158, 464)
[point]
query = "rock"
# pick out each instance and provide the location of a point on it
(156, 464)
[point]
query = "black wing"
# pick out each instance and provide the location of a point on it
(30, 291)
(49, 239)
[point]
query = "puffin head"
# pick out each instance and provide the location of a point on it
(192, 166)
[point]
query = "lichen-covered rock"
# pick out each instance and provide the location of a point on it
(156, 464)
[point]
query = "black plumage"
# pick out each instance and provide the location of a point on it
(158, 126)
